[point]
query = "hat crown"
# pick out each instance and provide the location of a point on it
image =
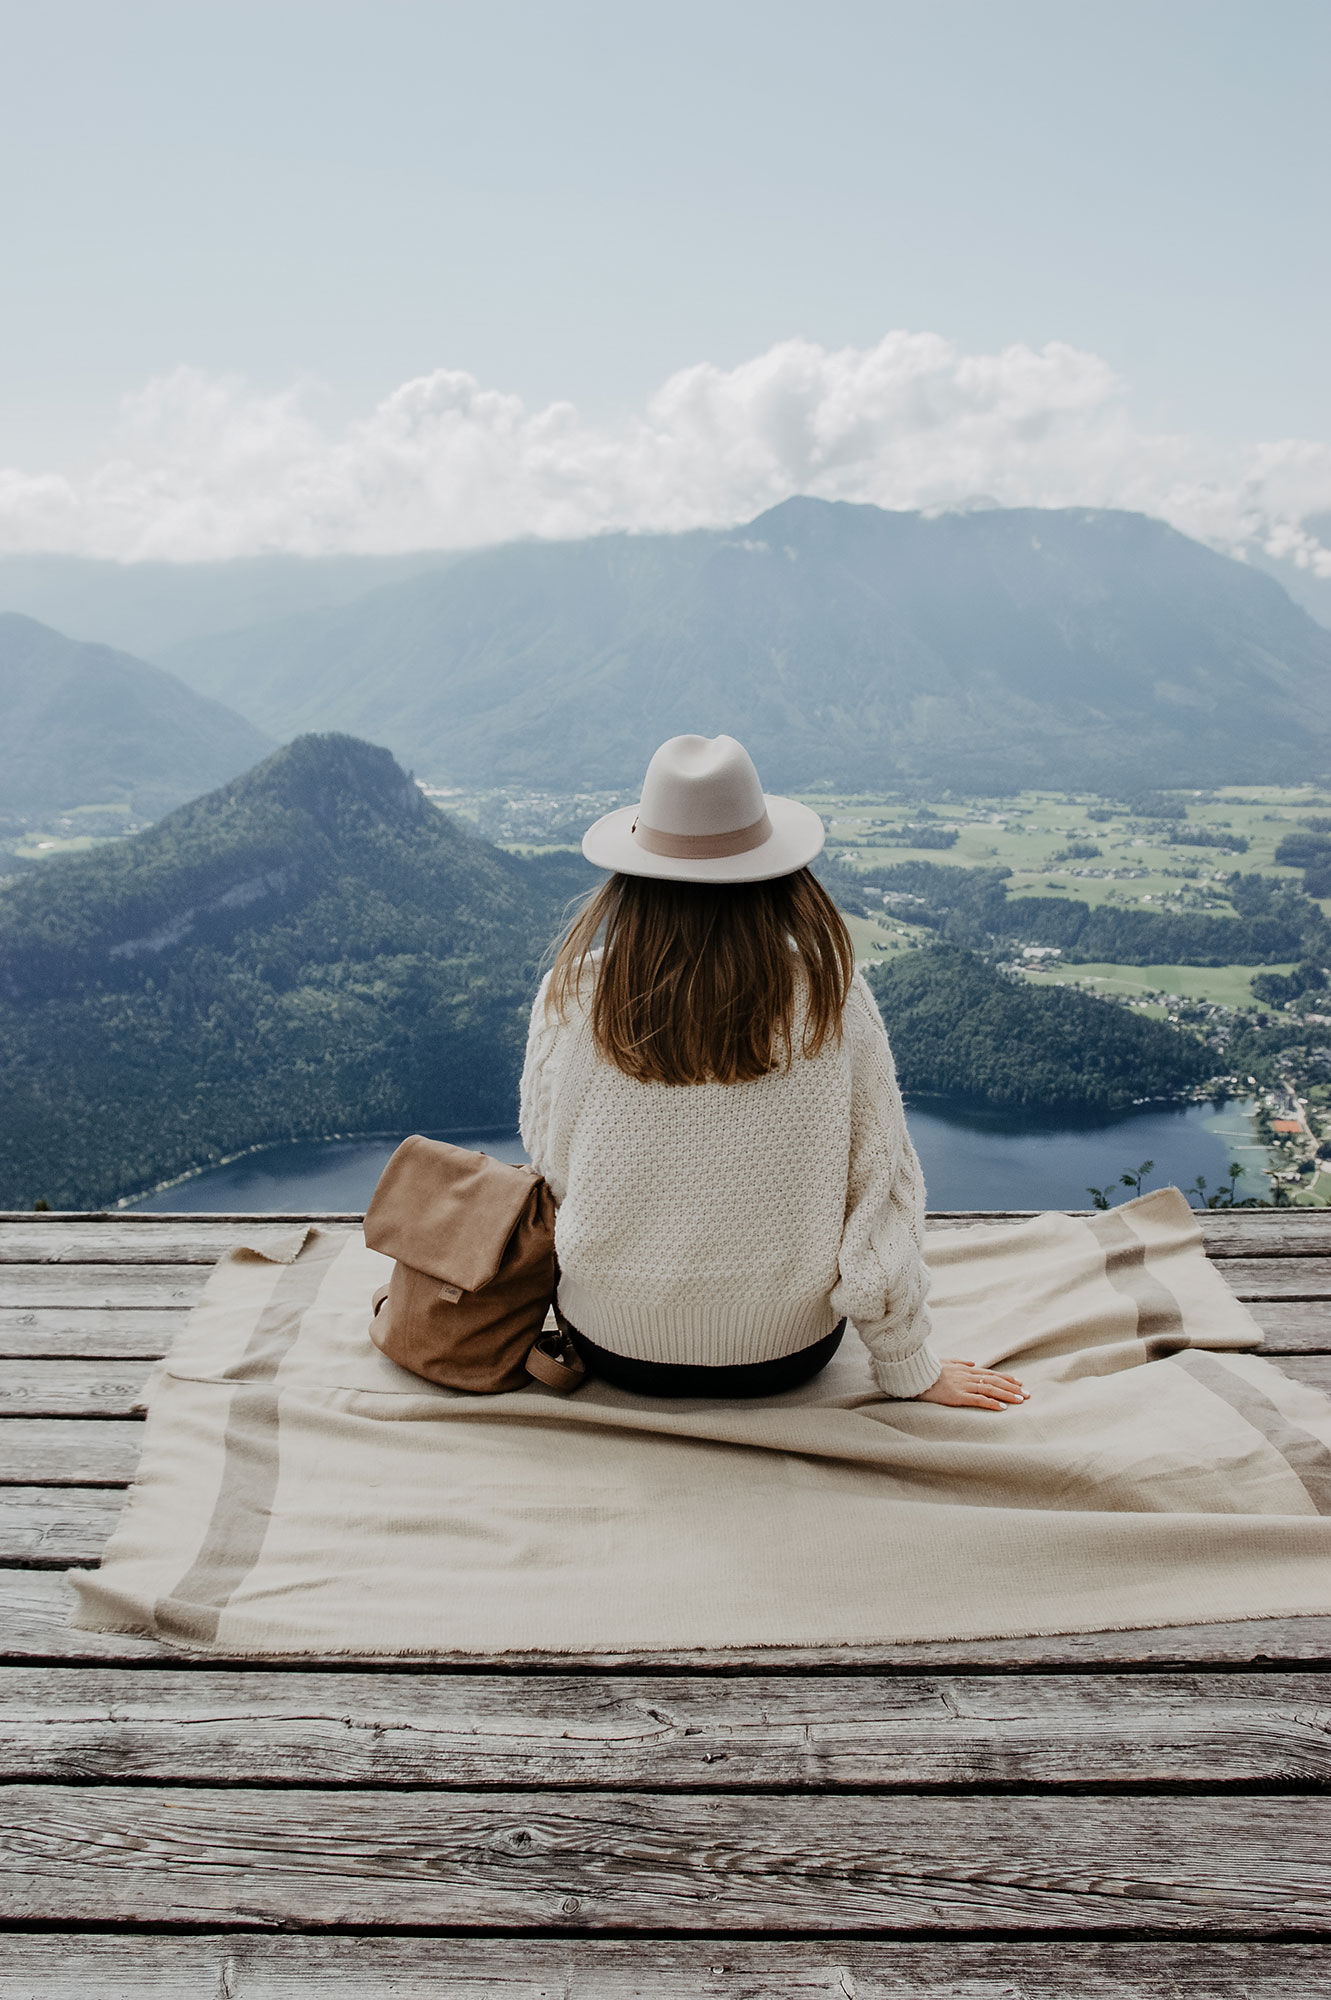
(701, 785)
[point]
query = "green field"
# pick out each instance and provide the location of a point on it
(1225, 985)
(1027, 833)
(1136, 866)
(876, 938)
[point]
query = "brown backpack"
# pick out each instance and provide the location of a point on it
(475, 1272)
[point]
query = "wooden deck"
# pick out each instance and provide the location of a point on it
(1128, 1814)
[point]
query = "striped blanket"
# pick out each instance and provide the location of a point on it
(298, 1493)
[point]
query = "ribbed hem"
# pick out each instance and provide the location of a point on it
(910, 1376)
(722, 1335)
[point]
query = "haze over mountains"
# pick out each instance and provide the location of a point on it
(846, 645)
(146, 607)
(85, 724)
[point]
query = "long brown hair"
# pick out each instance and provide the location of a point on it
(699, 982)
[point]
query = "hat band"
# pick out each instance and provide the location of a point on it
(703, 846)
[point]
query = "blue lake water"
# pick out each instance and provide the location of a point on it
(971, 1159)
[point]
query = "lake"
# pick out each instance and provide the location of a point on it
(971, 1158)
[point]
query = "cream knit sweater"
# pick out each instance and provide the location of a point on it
(714, 1223)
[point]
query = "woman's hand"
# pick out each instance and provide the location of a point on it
(963, 1386)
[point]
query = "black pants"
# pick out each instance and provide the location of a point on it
(673, 1378)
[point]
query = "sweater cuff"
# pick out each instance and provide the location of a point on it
(910, 1376)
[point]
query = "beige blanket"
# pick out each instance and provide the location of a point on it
(299, 1493)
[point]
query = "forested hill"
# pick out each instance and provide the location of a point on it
(961, 1030)
(313, 948)
(84, 725)
(845, 645)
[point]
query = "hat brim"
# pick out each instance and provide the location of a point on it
(796, 839)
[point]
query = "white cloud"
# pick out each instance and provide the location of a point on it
(203, 466)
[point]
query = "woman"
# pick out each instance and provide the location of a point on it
(712, 1099)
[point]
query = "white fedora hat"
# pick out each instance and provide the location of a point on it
(704, 817)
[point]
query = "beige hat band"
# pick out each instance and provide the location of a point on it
(703, 846)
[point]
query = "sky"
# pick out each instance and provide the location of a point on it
(411, 273)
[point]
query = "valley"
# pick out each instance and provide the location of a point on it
(1073, 767)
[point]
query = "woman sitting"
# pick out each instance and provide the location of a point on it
(710, 1094)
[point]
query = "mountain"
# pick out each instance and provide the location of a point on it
(844, 644)
(147, 606)
(88, 726)
(313, 948)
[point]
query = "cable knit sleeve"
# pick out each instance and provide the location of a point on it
(883, 1281)
(536, 1090)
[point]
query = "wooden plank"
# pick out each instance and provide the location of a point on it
(1225, 1866)
(35, 1605)
(61, 1451)
(464, 1731)
(54, 1526)
(196, 1240)
(121, 1288)
(91, 1333)
(73, 1966)
(1279, 1277)
(1275, 1232)
(137, 1218)
(1293, 1326)
(72, 1388)
(200, 1238)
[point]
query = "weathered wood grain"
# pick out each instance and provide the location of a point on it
(196, 1241)
(1259, 1232)
(1293, 1326)
(71, 1388)
(61, 1966)
(61, 1451)
(54, 1526)
(462, 1731)
(1226, 1866)
(35, 1606)
(120, 1287)
(1279, 1277)
(94, 1332)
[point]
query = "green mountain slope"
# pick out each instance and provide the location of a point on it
(843, 643)
(86, 725)
(311, 949)
(961, 1030)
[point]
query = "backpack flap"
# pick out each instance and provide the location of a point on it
(447, 1212)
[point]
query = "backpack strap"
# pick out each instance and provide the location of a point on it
(555, 1361)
